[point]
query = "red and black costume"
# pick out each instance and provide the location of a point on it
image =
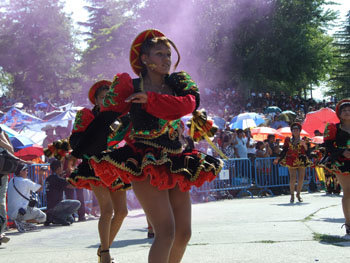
(336, 142)
(83, 176)
(294, 155)
(153, 147)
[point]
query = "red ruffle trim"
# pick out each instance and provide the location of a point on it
(337, 172)
(160, 176)
(86, 183)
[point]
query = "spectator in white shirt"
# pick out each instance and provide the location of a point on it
(19, 191)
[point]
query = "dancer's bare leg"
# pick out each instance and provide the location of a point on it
(292, 180)
(345, 184)
(157, 207)
(301, 176)
(120, 212)
(104, 223)
(181, 205)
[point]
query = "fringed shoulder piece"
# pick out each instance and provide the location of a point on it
(121, 88)
(82, 120)
(330, 131)
(182, 84)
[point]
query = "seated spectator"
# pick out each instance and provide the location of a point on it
(59, 211)
(73, 193)
(19, 192)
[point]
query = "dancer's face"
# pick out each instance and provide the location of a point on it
(345, 114)
(295, 132)
(159, 59)
(100, 97)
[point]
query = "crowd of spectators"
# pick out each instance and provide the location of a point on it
(227, 104)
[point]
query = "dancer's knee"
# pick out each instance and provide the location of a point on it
(183, 235)
(120, 214)
(166, 232)
(106, 212)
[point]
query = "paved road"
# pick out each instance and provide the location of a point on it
(260, 230)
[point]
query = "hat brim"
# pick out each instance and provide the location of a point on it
(95, 87)
(135, 61)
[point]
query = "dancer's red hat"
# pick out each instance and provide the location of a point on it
(95, 87)
(136, 48)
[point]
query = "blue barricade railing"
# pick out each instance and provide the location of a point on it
(235, 175)
(33, 174)
(268, 175)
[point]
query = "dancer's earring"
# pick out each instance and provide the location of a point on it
(152, 66)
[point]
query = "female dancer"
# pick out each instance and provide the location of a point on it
(112, 197)
(294, 156)
(337, 143)
(160, 171)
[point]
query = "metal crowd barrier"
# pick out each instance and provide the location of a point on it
(33, 174)
(235, 175)
(268, 175)
(238, 174)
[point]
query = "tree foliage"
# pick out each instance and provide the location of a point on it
(340, 79)
(260, 45)
(109, 32)
(273, 44)
(37, 47)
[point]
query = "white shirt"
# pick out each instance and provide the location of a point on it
(15, 200)
(241, 147)
(251, 150)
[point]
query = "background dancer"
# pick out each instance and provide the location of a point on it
(160, 172)
(112, 197)
(295, 156)
(337, 161)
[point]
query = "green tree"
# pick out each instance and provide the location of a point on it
(340, 80)
(273, 45)
(109, 32)
(37, 47)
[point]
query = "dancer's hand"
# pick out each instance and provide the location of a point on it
(140, 97)
(275, 161)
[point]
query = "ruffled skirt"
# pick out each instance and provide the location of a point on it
(83, 177)
(300, 161)
(166, 170)
(338, 167)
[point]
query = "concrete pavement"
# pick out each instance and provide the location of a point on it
(267, 229)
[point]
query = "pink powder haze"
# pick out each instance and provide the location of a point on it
(204, 32)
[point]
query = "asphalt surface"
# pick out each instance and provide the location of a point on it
(267, 229)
